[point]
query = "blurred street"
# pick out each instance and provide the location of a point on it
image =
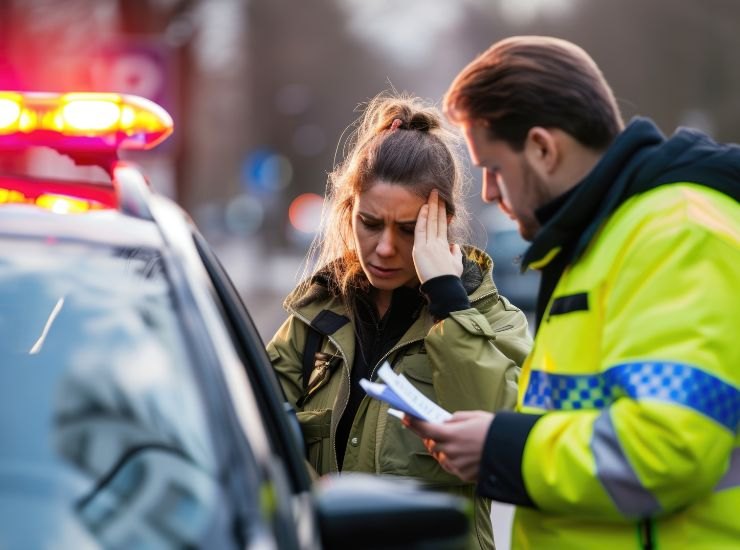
(263, 289)
(263, 94)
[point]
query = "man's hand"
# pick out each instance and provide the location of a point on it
(456, 444)
(433, 254)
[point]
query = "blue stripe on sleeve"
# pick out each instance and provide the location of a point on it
(672, 382)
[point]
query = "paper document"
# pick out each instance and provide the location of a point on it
(401, 394)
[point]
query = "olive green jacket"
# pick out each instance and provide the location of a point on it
(469, 360)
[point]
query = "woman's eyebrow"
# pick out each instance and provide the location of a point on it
(372, 218)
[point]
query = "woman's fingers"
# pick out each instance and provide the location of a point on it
(431, 222)
(420, 229)
(432, 253)
(432, 214)
(441, 219)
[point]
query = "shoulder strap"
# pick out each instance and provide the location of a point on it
(325, 323)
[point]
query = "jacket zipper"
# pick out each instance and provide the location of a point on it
(645, 529)
(391, 351)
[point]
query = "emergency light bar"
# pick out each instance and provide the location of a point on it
(60, 197)
(81, 121)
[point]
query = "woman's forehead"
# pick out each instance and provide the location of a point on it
(390, 201)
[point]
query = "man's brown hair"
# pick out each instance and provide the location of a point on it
(526, 81)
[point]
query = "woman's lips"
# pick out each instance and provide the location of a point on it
(382, 272)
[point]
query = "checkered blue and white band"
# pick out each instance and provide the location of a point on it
(672, 382)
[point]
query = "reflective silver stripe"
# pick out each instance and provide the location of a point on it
(732, 475)
(616, 473)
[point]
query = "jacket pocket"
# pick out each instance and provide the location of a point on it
(402, 452)
(417, 369)
(316, 429)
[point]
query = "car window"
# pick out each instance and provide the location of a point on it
(99, 406)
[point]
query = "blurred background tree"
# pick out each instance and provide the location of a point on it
(262, 90)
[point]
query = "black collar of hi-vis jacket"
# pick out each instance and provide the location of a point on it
(639, 159)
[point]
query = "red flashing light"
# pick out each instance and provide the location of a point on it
(59, 197)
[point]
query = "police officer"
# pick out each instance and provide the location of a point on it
(626, 428)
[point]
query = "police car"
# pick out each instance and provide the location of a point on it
(138, 408)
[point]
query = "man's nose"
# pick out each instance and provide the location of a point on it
(490, 191)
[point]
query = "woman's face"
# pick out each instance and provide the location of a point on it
(383, 221)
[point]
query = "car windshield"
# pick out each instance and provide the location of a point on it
(97, 394)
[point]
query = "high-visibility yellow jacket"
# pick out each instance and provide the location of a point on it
(626, 434)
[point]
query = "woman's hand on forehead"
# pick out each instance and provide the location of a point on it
(433, 254)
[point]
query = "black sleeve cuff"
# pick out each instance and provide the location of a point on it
(500, 476)
(445, 294)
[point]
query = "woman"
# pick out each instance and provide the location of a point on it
(389, 286)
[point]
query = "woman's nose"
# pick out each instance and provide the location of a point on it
(386, 243)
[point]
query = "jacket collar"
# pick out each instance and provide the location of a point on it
(477, 281)
(639, 159)
(575, 223)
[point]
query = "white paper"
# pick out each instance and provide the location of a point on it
(401, 394)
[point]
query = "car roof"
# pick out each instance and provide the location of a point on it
(105, 227)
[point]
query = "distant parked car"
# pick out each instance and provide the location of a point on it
(139, 408)
(506, 247)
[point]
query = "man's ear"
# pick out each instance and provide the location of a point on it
(542, 150)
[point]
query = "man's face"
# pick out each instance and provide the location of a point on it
(508, 178)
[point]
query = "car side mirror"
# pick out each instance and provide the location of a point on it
(366, 511)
